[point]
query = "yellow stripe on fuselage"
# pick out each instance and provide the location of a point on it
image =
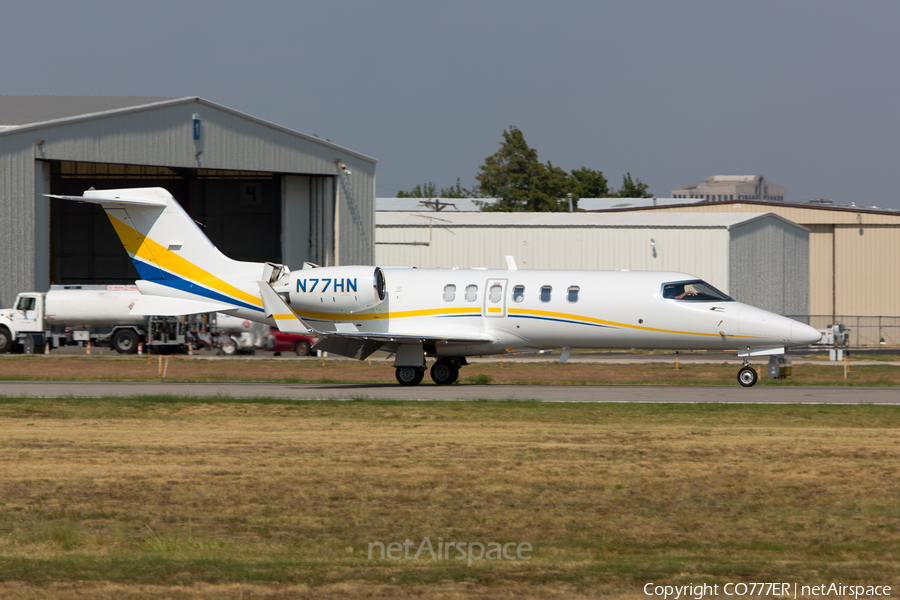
(152, 252)
(571, 317)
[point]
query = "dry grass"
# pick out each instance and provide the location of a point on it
(104, 368)
(179, 499)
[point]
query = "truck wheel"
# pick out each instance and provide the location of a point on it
(5, 340)
(125, 341)
(229, 347)
(302, 348)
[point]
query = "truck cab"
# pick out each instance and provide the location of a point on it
(23, 323)
(29, 313)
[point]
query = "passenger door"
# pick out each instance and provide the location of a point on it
(495, 298)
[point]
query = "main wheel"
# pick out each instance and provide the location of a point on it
(410, 375)
(301, 348)
(747, 376)
(444, 373)
(125, 341)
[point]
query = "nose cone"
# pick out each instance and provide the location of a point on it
(802, 334)
(766, 326)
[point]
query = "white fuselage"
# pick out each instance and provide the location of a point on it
(611, 309)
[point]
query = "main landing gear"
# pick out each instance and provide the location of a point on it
(443, 372)
(747, 375)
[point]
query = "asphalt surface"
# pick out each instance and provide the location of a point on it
(549, 393)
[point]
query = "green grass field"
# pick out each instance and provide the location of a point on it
(182, 369)
(178, 498)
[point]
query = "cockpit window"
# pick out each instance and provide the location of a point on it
(695, 291)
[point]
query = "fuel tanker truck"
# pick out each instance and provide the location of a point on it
(100, 314)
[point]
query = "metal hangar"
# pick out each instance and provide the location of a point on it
(260, 191)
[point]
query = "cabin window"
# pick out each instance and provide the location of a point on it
(496, 292)
(545, 293)
(518, 293)
(572, 293)
(449, 292)
(471, 293)
(693, 291)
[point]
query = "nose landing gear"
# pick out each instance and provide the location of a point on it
(747, 376)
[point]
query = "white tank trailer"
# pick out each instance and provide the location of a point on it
(100, 314)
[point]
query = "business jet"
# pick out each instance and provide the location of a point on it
(440, 314)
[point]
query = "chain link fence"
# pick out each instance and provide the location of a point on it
(864, 331)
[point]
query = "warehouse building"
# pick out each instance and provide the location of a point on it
(854, 262)
(260, 192)
(854, 252)
(759, 259)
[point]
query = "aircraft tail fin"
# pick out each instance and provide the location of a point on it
(169, 250)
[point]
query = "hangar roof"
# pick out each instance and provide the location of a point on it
(16, 111)
(22, 113)
(545, 219)
(468, 204)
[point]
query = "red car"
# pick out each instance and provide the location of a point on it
(286, 342)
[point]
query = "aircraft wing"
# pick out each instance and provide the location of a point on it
(347, 340)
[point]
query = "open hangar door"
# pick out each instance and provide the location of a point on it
(240, 212)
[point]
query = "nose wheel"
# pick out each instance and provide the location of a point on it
(747, 376)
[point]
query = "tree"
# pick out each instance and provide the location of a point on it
(633, 189)
(429, 190)
(422, 190)
(589, 183)
(514, 176)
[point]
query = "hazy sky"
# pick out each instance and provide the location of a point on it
(802, 92)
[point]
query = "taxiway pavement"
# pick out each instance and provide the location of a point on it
(544, 393)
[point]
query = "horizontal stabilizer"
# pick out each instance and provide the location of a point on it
(111, 198)
(161, 306)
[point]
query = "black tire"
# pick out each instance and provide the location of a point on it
(747, 376)
(301, 348)
(125, 341)
(6, 341)
(229, 347)
(410, 375)
(444, 373)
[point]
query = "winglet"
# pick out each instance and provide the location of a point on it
(274, 306)
(511, 263)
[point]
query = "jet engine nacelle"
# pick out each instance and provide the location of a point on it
(341, 290)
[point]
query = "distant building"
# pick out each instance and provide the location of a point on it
(854, 255)
(721, 188)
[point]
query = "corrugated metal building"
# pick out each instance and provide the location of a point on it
(758, 259)
(854, 252)
(262, 192)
